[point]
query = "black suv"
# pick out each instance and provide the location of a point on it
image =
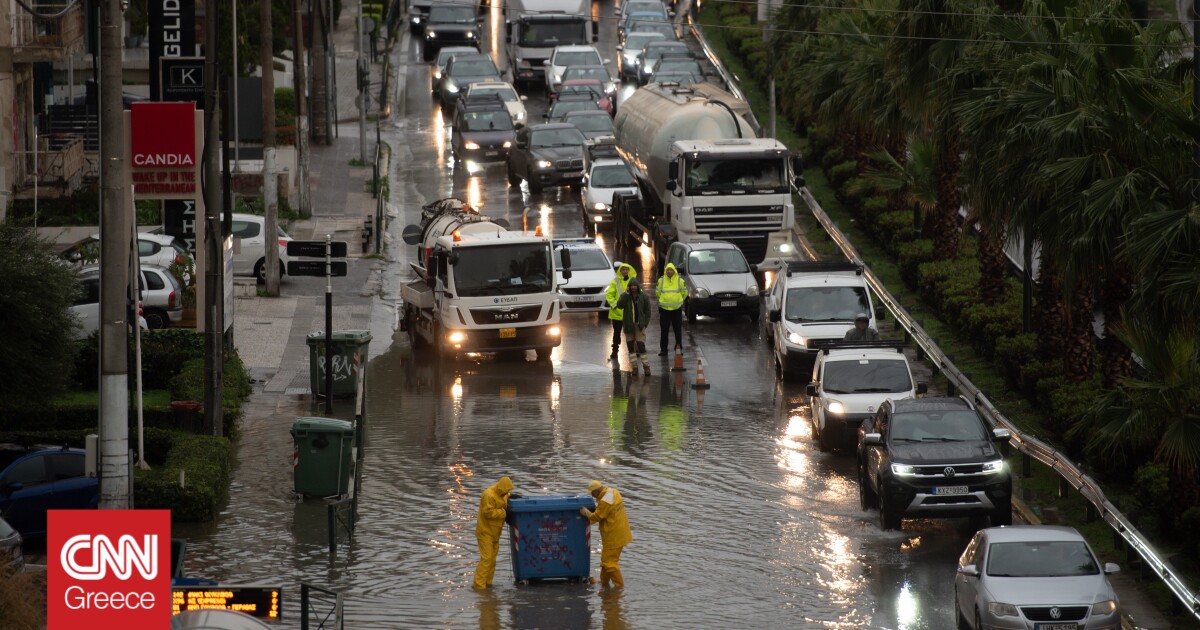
(482, 128)
(549, 154)
(932, 457)
(450, 25)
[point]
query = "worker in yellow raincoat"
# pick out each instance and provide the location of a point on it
(617, 288)
(493, 507)
(614, 530)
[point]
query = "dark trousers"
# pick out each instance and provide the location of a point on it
(669, 319)
(616, 325)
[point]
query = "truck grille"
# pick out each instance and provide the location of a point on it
(582, 290)
(1045, 613)
(569, 165)
(752, 244)
(506, 314)
(768, 218)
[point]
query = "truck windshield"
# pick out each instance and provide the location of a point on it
(937, 426)
(860, 376)
(715, 176)
(502, 269)
(825, 304)
(553, 33)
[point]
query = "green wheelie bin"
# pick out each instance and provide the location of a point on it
(322, 456)
(348, 357)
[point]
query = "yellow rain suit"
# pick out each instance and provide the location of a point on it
(614, 534)
(493, 505)
(616, 289)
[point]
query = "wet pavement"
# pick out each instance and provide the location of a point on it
(738, 518)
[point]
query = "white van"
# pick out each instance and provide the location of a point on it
(850, 380)
(250, 257)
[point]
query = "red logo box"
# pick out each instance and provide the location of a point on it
(163, 135)
(108, 569)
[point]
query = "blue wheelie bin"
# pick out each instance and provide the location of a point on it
(550, 538)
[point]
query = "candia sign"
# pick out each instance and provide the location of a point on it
(163, 149)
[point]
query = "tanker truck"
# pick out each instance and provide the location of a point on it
(703, 174)
(480, 287)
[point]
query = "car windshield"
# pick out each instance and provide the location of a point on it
(951, 425)
(577, 58)
(1060, 558)
(715, 176)
(646, 17)
(562, 108)
(506, 93)
(473, 68)
(710, 261)
(502, 269)
(562, 137)
(825, 304)
(679, 65)
(637, 40)
(635, 7)
(593, 88)
(586, 72)
(583, 259)
(452, 15)
(860, 376)
(554, 33)
(666, 30)
(487, 121)
(445, 55)
(654, 52)
(592, 123)
(611, 176)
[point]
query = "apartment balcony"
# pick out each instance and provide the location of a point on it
(58, 168)
(36, 40)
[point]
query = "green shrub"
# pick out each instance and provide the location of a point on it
(1153, 498)
(835, 154)
(893, 228)
(873, 206)
(841, 173)
(910, 256)
(986, 324)
(1067, 405)
(206, 463)
(852, 192)
(163, 352)
(1015, 352)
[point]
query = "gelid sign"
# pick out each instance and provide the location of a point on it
(163, 155)
(108, 569)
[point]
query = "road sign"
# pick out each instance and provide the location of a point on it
(315, 268)
(316, 249)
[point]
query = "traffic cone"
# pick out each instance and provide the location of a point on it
(700, 384)
(678, 361)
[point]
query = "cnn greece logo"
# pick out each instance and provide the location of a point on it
(122, 557)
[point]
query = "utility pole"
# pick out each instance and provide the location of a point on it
(363, 80)
(214, 343)
(115, 249)
(320, 76)
(1195, 102)
(301, 79)
(270, 182)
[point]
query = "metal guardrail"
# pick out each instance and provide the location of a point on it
(731, 81)
(1025, 444)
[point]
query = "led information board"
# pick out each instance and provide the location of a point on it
(257, 601)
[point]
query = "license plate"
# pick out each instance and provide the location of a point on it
(943, 490)
(728, 303)
(573, 174)
(1055, 626)
(508, 333)
(582, 298)
(491, 153)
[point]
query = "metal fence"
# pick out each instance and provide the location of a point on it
(322, 606)
(1025, 444)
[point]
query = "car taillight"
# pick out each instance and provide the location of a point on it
(178, 258)
(141, 311)
(171, 300)
(283, 243)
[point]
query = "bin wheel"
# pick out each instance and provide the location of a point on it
(523, 582)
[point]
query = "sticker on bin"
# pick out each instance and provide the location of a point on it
(550, 539)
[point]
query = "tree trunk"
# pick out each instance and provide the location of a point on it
(1116, 362)
(270, 183)
(1049, 313)
(993, 267)
(944, 224)
(1077, 360)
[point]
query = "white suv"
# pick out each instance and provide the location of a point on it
(810, 303)
(251, 258)
(850, 380)
(591, 273)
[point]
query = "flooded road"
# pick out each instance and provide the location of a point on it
(738, 518)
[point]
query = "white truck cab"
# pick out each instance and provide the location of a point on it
(811, 303)
(850, 380)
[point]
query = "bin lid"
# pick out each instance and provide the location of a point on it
(321, 425)
(552, 503)
(318, 336)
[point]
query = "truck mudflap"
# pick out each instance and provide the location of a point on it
(501, 339)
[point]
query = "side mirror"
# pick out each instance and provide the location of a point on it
(671, 186)
(880, 313)
(753, 268)
(1001, 435)
(607, 61)
(1111, 567)
(411, 234)
(566, 258)
(970, 570)
(524, 97)
(798, 181)
(774, 316)
(671, 14)
(811, 390)
(452, 259)
(546, 62)
(566, 274)
(922, 388)
(873, 439)
(673, 171)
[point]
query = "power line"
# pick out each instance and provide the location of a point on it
(955, 14)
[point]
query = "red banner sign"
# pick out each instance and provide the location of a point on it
(163, 148)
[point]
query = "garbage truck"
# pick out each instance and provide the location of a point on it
(703, 174)
(534, 27)
(479, 286)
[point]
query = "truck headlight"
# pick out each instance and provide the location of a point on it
(456, 337)
(700, 292)
(1106, 607)
(553, 331)
(836, 408)
(470, 35)
(544, 164)
(999, 609)
(600, 205)
(507, 144)
(784, 248)
(451, 87)
(796, 339)
(471, 146)
(904, 470)
(993, 467)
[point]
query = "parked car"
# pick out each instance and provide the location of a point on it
(464, 69)
(11, 547)
(250, 254)
(86, 308)
(605, 178)
(629, 53)
(1034, 577)
(594, 125)
(153, 249)
(515, 103)
(571, 102)
(591, 270)
(564, 56)
(162, 297)
(653, 51)
(482, 129)
(719, 280)
(549, 154)
(35, 480)
(439, 64)
(932, 458)
(850, 380)
(450, 25)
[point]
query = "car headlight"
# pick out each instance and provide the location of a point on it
(999, 609)
(470, 146)
(784, 248)
(993, 467)
(451, 87)
(600, 205)
(457, 337)
(553, 331)
(599, 217)
(430, 35)
(520, 115)
(904, 470)
(796, 339)
(470, 35)
(1106, 607)
(700, 292)
(836, 407)
(416, 19)
(752, 289)
(507, 144)
(437, 75)
(544, 164)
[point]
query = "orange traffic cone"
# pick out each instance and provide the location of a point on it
(700, 384)
(678, 361)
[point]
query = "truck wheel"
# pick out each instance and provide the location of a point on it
(887, 518)
(867, 498)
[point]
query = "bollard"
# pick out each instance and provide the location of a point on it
(1026, 465)
(331, 519)
(920, 353)
(1089, 512)
(1064, 488)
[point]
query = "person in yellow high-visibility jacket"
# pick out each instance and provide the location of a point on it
(670, 291)
(614, 530)
(616, 288)
(493, 507)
